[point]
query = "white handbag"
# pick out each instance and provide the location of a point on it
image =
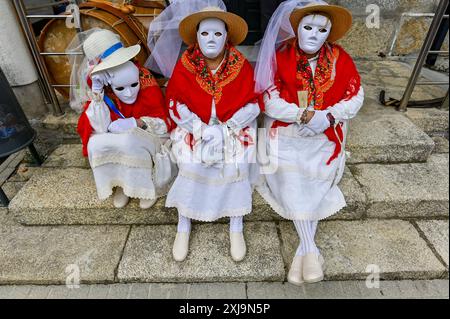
(165, 168)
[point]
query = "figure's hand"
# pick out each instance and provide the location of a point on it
(122, 125)
(319, 122)
(100, 80)
(304, 131)
(212, 144)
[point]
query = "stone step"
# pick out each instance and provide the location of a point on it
(67, 196)
(353, 250)
(406, 190)
(63, 193)
(377, 135)
(383, 135)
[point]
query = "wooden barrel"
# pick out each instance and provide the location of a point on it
(144, 10)
(55, 37)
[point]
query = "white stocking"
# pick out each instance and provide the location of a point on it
(184, 224)
(306, 230)
(236, 224)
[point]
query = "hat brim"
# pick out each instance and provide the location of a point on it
(118, 58)
(341, 19)
(237, 27)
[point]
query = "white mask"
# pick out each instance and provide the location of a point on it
(125, 82)
(313, 31)
(212, 37)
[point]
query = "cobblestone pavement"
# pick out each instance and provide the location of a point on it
(429, 289)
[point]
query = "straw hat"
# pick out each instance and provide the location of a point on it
(341, 18)
(107, 45)
(237, 27)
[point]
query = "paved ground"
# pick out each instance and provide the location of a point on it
(435, 289)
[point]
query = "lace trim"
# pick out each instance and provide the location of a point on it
(207, 216)
(130, 191)
(120, 159)
(264, 191)
(213, 181)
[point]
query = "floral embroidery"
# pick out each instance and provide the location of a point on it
(146, 78)
(194, 61)
(353, 88)
(323, 78)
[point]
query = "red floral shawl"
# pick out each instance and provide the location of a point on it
(150, 102)
(329, 86)
(193, 84)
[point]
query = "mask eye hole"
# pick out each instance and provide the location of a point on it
(218, 34)
(134, 84)
(307, 27)
(120, 88)
(204, 33)
(323, 30)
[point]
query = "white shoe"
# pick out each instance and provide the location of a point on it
(312, 268)
(238, 248)
(147, 203)
(120, 200)
(181, 246)
(295, 275)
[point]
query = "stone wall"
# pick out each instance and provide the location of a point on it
(397, 35)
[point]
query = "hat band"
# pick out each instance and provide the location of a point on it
(111, 50)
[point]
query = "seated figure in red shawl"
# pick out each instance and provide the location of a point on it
(315, 91)
(211, 98)
(122, 126)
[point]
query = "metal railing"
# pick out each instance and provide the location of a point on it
(424, 52)
(47, 87)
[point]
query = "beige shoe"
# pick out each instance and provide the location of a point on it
(313, 268)
(238, 248)
(295, 275)
(147, 203)
(181, 246)
(120, 200)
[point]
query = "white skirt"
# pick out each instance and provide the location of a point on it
(210, 193)
(124, 160)
(303, 186)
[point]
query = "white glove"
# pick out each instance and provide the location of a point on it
(100, 80)
(304, 131)
(319, 122)
(122, 125)
(212, 145)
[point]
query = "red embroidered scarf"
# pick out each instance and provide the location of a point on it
(193, 84)
(336, 78)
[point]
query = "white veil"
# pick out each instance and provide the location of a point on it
(278, 31)
(164, 39)
(81, 67)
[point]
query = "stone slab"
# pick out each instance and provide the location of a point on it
(68, 155)
(429, 120)
(436, 232)
(351, 248)
(406, 190)
(442, 145)
(68, 196)
(382, 135)
(148, 255)
(52, 255)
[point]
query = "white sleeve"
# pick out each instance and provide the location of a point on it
(278, 109)
(188, 119)
(244, 117)
(346, 110)
(156, 125)
(99, 116)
